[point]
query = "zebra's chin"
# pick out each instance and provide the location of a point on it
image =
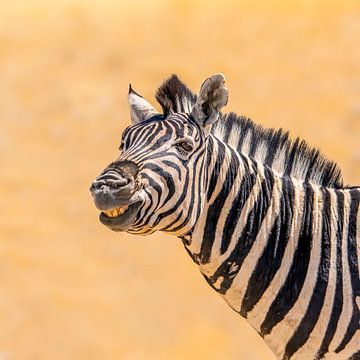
(123, 220)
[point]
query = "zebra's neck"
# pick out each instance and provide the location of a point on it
(234, 185)
(272, 246)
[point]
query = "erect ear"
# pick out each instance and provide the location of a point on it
(212, 97)
(140, 109)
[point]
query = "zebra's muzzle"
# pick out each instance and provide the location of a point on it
(115, 185)
(114, 193)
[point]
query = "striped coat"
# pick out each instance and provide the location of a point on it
(268, 220)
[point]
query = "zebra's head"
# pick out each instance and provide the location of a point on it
(156, 183)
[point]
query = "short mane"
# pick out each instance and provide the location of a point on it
(271, 147)
(174, 96)
(275, 149)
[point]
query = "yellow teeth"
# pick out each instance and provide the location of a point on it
(116, 211)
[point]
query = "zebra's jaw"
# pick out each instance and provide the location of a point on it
(120, 220)
(122, 216)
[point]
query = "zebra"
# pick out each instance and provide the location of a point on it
(267, 219)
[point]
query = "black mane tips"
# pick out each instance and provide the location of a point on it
(174, 96)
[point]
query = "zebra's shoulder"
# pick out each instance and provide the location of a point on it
(275, 148)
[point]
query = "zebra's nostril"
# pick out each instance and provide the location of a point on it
(104, 188)
(97, 187)
(93, 187)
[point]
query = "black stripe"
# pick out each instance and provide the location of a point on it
(158, 189)
(216, 169)
(167, 179)
(174, 166)
(354, 270)
(254, 143)
(216, 208)
(160, 140)
(178, 125)
(245, 129)
(190, 130)
(229, 268)
(291, 159)
(308, 321)
(143, 148)
(338, 298)
(355, 356)
(275, 146)
(246, 186)
(143, 210)
(201, 185)
(193, 256)
(227, 133)
(178, 203)
(313, 160)
(270, 260)
(140, 132)
(178, 217)
(192, 198)
(290, 290)
(161, 155)
(209, 154)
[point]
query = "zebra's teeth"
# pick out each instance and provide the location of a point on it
(116, 211)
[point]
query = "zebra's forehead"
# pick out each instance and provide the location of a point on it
(175, 125)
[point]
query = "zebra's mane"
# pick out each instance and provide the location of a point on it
(275, 149)
(271, 147)
(174, 96)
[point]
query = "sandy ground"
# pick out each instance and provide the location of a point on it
(70, 288)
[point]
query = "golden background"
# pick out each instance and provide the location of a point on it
(70, 288)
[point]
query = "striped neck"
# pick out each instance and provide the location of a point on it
(231, 183)
(273, 247)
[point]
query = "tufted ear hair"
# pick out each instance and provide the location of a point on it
(212, 97)
(140, 109)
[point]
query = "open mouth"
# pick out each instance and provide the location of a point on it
(116, 211)
(120, 218)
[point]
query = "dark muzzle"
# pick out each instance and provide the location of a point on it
(115, 185)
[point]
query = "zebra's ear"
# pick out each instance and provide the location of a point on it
(212, 97)
(140, 109)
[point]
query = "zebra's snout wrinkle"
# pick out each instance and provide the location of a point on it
(115, 185)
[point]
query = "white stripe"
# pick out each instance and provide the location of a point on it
(317, 335)
(234, 295)
(234, 136)
(220, 228)
(347, 309)
(262, 307)
(189, 194)
(283, 331)
(261, 152)
(215, 262)
(198, 235)
(245, 148)
(279, 160)
(187, 104)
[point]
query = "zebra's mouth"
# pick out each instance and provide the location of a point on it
(116, 211)
(120, 218)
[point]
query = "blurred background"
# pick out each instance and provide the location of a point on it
(70, 288)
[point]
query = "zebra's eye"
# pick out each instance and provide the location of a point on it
(184, 147)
